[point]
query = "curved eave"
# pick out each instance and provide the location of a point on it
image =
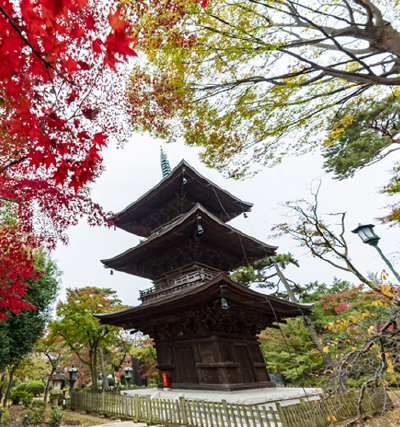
(216, 232)
(168, 186)
(236, 295)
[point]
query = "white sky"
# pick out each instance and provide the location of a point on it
(135, 169)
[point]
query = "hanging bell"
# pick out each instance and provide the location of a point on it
(224, 304)
(200, 229)
(111, 272)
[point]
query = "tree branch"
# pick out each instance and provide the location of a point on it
(13, 163)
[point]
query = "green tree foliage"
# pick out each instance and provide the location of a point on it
(314, 291)
(145, 351)
(261, 271)
(293, 354)
(236, 77)
(362, 134)
(80, 330)
(19, 332)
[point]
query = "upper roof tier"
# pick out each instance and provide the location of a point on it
(174, 195)
(196, 236)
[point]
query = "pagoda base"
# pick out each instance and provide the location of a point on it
(224, 387)
(216, 361)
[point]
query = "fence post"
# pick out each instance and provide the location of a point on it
(149, 414)
(183, 411)
(281, 415)
(137, 409)
(225, 406)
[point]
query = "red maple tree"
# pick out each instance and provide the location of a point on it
(61, 98)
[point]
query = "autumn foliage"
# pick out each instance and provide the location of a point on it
(61, 91)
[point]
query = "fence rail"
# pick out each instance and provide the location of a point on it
(199, 413)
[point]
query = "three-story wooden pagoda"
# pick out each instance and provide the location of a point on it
(204, 324)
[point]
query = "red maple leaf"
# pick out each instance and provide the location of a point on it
(54, 53)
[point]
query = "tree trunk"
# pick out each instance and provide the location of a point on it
(9, 385)
(93, 366)
(314, 336)
(46, 391)
(106, 386)
(2, 384)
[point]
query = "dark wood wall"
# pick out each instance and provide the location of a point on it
(213, 361)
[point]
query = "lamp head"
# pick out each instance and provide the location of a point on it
(367, 234)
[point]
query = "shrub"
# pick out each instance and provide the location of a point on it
(56, 417)
(67, 403)
(35, 387)
(16, 396)
(111, 382)
(6, 414)
(27, 400)
(21, 387)
(34, 416)
(39, 405)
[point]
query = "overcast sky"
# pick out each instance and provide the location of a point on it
(135, 169)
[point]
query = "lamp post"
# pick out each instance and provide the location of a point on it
(128, 375)
(369, 237)
(72, 378)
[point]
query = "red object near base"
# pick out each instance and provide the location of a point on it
(165, 380)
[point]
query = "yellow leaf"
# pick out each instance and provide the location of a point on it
(326, 349)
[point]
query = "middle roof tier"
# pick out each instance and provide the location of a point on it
(197, 236)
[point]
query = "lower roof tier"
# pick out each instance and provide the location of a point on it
(201, 309)
(198, 236)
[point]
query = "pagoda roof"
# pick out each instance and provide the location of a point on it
(182, 179)
(237, 296)
(241, 247)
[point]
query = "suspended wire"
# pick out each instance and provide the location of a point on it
(287, 346)
(237, 233)
(273, 310)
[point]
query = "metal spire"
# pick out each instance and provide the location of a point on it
(165, 166)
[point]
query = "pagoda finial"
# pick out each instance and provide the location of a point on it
(165, 166)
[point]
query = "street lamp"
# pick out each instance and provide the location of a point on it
(72, 378)
(369, 237)
(128, 375)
